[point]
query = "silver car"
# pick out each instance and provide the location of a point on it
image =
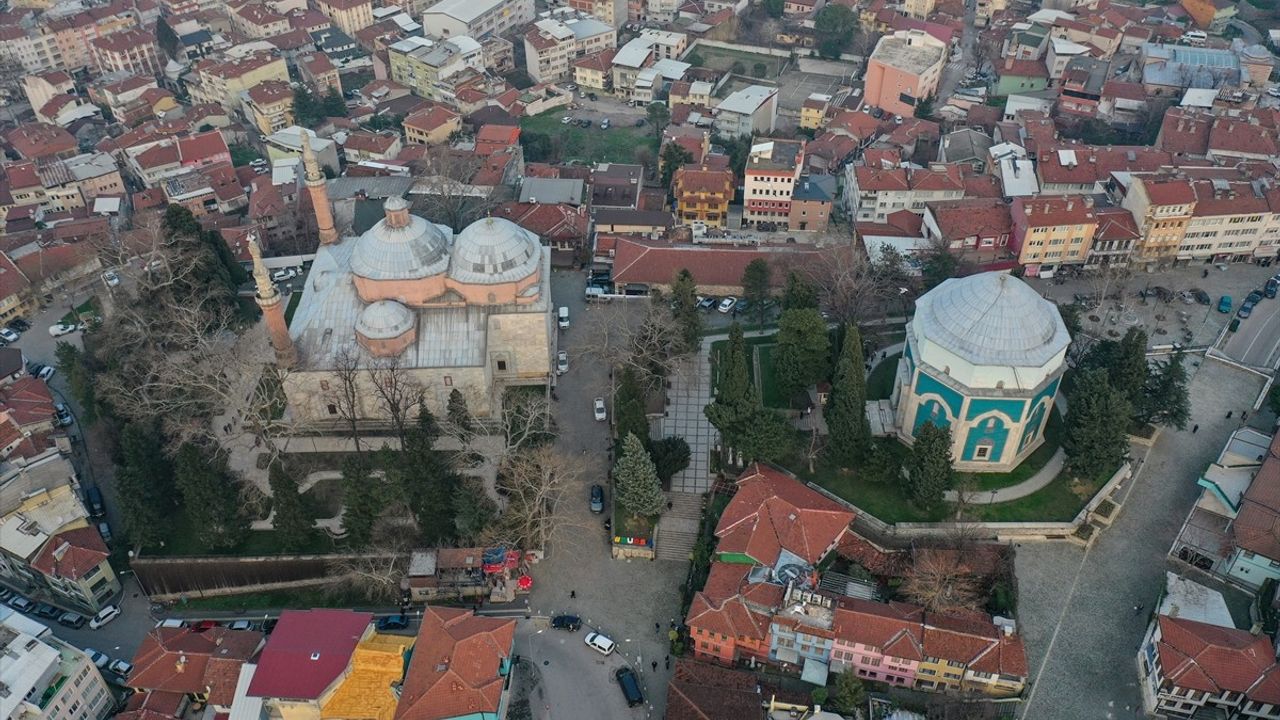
(562, 362)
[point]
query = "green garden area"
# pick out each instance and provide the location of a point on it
(546, 139)
(726, 60)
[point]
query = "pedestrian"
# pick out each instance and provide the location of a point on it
(657, 628)
(1195, 429)
(1230, 413)
(670, 504)
(668, 662)
(573, 594)
(655, 665)
(1244, 417)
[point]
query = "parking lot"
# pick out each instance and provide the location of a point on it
(566, 680)
(794, 87)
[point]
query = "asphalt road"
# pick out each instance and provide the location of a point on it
(1257, 342)
(573, 681)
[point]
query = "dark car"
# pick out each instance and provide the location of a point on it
(19, 324)
(640, 122)
(1254, 297)
(71, 620)
(630, 685)
(1201, 296)
(94, 496)
(1245, 310)
(1272, 286)
(566, 622)
(597, 499)
(393, 622)
(47, 611)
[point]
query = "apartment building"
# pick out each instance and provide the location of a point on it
(873, 193)
(222, 82)
(1115, 238)
(813, 113)
(611, 12)
(45, 677)
(749, 111)
(350, 16)
(72, 34)
(318, 71)
(424, 65)
(987, 9)
(1230, 221)
(43, 87)
(269, 105)
(666, 45)
(1163, 208)
(128, 51)
(258, 21)
(62, 185)
(432, 126)
(904, 69)
(976, 230)
(552, 45)
(811, 203)
(919, 9)
(1052, 230)
(595, 71)
(772, 170)
(35, 51)
(476, 18)
(703, 195)
(630, 59)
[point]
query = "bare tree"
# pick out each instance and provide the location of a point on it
(940, 582)
(344, 391)
(400, 394)
(534, 481)
(444, 185)
(522, 422)
(377, 572)
(647, 342)
(850, 284)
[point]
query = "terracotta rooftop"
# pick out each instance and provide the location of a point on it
(772, 511)
(193, 661)
(1214, 659)
(71, 554)
(458, 667)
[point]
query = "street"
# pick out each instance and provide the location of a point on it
(570, 680)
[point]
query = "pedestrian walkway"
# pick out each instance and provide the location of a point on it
(678, 528)
(1032, 484)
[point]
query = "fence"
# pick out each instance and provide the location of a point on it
(173, 578)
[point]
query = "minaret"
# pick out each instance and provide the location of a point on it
(319, 195)
(272, 305)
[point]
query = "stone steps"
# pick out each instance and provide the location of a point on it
(678, 528)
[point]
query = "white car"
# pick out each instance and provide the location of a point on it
(604, 124)
(241, 625)
(100, 660)
(600, 643)
(46, 372)
(1274, 92)
(562, 362)
(8, 335)
(104, 616)
(601, 413)
(120, 667)
(727, 304)
(63, 329)
(566, 120)
(111, 278)
(285, 274)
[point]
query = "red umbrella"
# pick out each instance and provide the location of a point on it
(525, 582)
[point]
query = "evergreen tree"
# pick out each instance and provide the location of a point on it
(735, 379)
(850, 696)
(765, 435)
(931, 472)
(1128, 370)
(74, 366)
(144, 485)
(659, 117)
(460, 415)
(755, 431)
(423, 478)
(306, 108)
(292, 517)
(333, 105)
(628, 407)
(670, 456)
(635, 480)
(684, 308)
(473, 510)
(803, 351)
(799, 294)
(363, 499)
(673, 157)
(1095, 439)
(210, 497)
(1164, 398)
(846, 412)
(756, 280)
(937, 266)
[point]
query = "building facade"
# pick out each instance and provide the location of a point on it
(904, 69)
(772, 170)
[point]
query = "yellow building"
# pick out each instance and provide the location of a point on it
(351, 16)
(432, 126)
(919, 9)
(1162, 208)
(934, 673)
(813, 113)
(595, 71)
(222, 83)
(270, 105)
(1053, 229)
(703, 195)
(366, 692)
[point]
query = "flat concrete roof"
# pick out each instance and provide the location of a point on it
(911, 57)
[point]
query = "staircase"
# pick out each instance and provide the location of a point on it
(678, 528)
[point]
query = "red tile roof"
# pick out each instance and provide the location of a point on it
(71, 554)
(1215, 659)
(49, 262)
(39, 140)
(969, 217)
(430, 118)
(1168, 192)
(269, 92)
(701, 691)
(656, 262)
(455, 670)
(772, 511)
(730, 605)
(307, 651)
(550, 222)
(27, 401)
(193, 661)
(1052, 211)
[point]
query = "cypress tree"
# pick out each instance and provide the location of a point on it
(846, 412)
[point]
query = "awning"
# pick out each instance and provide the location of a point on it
(815, 672)
(788, 655)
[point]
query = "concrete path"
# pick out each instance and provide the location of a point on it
(1032, 484)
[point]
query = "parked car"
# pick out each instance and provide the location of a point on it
(64, 414)
(630, 685)
(727, 304)
(1201, 296)
(604, 124)
(392, 622)
(566, 120)
(21, 604)
(19, 324)
(120, 667)
(47, 611)
(5, 593)
(600, 643)
(94, 497)
(111, 278)
(640, 122)
(562, 362)
(104, 616)
(1246, 309)
(706, 303)
(105, 531)
(599, 409)
(566, 622)
(100, 660)
(61, 329)
(46, 372)
(1224, 304)
(240, 625)
(1269, 290)
(72, 620)
(283, 275)
(597, 499)
(8, 334)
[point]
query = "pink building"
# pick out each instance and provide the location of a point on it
(878, 641)
(903, 70)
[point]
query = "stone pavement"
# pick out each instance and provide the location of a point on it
(1075, 604)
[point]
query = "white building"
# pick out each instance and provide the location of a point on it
(630, 59)
(553, 43)
(44, 678)
(749, 111)
(476, 18)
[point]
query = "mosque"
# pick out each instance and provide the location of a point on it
(984, 356)
(470, 311)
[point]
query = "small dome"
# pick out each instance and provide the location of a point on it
(493, 250)
(992, 319)
(384, 320)
(400, 247)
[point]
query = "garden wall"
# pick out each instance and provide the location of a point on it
(172, 578)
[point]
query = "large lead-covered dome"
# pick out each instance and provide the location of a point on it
(400, 247)
(492, 251)
(991, 319)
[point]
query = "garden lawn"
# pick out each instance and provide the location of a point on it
(1032, 465)
(183, 541)
(589, 145)
(770, 395)
(722, 59)
(718, 347)
(880, 381)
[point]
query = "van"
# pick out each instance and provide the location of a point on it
(94, 496)
(630, 686)
(1195, 38)
(595, 293)
(563, 315)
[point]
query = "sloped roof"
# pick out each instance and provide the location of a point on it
(701, 691)
(193, 660)
(307, 651)
(71, 554)
(457, 665)
(1214, 659)
(772, 511)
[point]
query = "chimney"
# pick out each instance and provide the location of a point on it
(181, 665)
(1088, 201)
(1027, 209)
(1008, 63)
(1070, 204)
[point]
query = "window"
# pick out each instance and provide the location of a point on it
(333, 409)
(502, 366)
(448, 381)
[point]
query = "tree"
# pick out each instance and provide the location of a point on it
(473, 510)
(670, 456)
(399, 394)
(292, 518)
(846, 411)
(333, 105)
(242, 155)
(651, 343)
(803, 352)
(849, 285)
(737, 68)
(344, 392)
(774, 7)
(443, 178)
(735, 384)
(307, 110)
(144, 484)
(210, 497)
(459, 416)
(1095, 440)
(659, 117)
(924, 108)
(939, 581)
(834, 26)
(628, 407)
(850, 696)
(756, 282)
(1164, 396)
(363, 500)
(798, 293)
(635, 480)
(74, 366)
(534, 481)
(674, 157)
(930, 464)
(684, 309)
(422, 478)
(938, 265)
(1128, 368)
(759, 70)
(538, 147)
(695, 59)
